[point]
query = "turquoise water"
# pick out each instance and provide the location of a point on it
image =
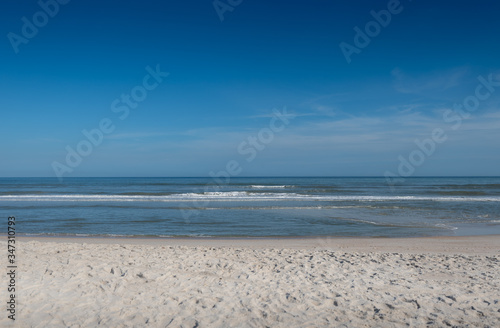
(252, 207)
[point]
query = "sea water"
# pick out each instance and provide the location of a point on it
(253, 207)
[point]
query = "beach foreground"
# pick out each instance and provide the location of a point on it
(83, 282)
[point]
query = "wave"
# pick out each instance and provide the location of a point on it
(469, 186)
(461, 193)
(395, 225)
(239, 196)
(445, 226)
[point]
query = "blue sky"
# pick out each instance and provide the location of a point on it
(226, 77)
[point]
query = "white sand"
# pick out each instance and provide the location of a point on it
(256, 283)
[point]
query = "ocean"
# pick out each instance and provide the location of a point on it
(252, 207)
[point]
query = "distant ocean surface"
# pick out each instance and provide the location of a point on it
(252, 207)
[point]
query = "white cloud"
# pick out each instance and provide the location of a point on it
(438, 81)
(135, 135)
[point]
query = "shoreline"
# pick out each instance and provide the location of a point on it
(470, 245)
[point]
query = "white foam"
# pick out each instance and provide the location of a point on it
(236, 195)
(444, 226)
(225, 194)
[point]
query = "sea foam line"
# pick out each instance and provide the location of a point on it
(237, 196)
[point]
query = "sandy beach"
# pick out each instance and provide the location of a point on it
(313, 282)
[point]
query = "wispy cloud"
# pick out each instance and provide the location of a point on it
(136, 135)
(431, 82)
(324, 105)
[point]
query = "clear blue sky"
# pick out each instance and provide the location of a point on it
(226, 77)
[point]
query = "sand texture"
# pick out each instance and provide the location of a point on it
(177, 284)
